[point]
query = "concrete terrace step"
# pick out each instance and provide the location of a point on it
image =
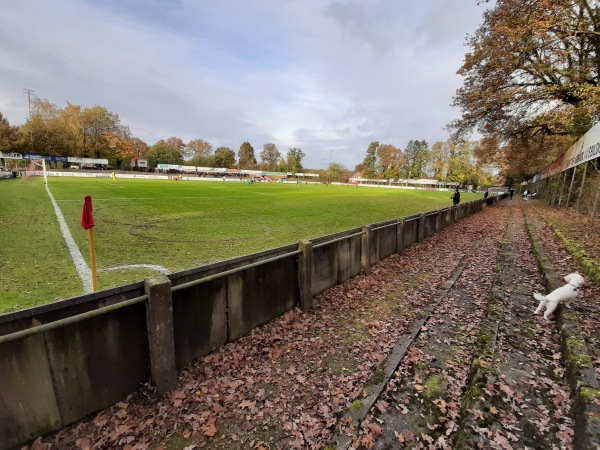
(518, 396)
(580, 374)
(480, 370)
(421, 401)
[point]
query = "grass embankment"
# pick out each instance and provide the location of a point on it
(178, 225)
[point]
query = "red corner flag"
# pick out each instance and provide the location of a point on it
(87, 221)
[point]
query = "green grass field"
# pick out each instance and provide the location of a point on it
(175, 224)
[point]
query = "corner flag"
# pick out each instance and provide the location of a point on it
(87, 222)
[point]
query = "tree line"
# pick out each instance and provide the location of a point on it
(445, 161)
(96, 132)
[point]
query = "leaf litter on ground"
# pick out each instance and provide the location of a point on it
(288, 383)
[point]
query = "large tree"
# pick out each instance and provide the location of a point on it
(201, 152)
(177, 142)
(246, 157)
(439, 155)
(461, 163)
(139, 147)
(224, 157)
(164, 153)
(389, 161)
(9, 137)
(336, 172)
(416, 159)
(270, 156)
(294, 160)
(101, 128)
(531, 80)
(369, 164)
(70, 124)
(122, 151)
(43, 132)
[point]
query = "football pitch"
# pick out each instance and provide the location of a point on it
(176, 225)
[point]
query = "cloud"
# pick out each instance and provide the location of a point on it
(325, 77)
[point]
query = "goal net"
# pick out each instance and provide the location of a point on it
(34, 169)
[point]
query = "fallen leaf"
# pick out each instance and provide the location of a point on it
(442, 406)
(367, 441)
(209, 430)
(374, 428)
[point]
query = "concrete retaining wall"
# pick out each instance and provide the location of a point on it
(78, 365)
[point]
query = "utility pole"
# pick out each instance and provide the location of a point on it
(29, 92)
(329, 168)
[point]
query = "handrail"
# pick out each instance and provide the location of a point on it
(381, 227)
(69, 320)
(106, 309)
(232, 271)
(323, 244)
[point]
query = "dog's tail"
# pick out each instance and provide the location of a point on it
(539, 297)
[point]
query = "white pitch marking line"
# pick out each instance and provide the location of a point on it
(155, 199)
(160, 269)
(83, 270)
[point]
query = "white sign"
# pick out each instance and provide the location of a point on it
(87, 160)
(11, 155)
(142, 163)
(585, 149)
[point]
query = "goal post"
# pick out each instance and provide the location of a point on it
(32, 169)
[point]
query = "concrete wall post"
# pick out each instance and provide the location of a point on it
(365, 250)
(305, 267)
(161, 341)
(421, 230)
(400, 236)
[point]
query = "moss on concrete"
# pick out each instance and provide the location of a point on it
(356, 406)
(589, 393)
(470, 396)
(575, 354)
(435, 387)
(377, 376)
(590, 266)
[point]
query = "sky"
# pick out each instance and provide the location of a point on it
(328, 77)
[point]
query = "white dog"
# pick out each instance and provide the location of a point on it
(564, 294)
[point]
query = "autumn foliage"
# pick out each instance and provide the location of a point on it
(530, 81)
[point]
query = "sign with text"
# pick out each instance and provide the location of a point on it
(585, 149)
(11, 155)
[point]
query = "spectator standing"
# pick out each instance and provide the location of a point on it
(455, 197)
